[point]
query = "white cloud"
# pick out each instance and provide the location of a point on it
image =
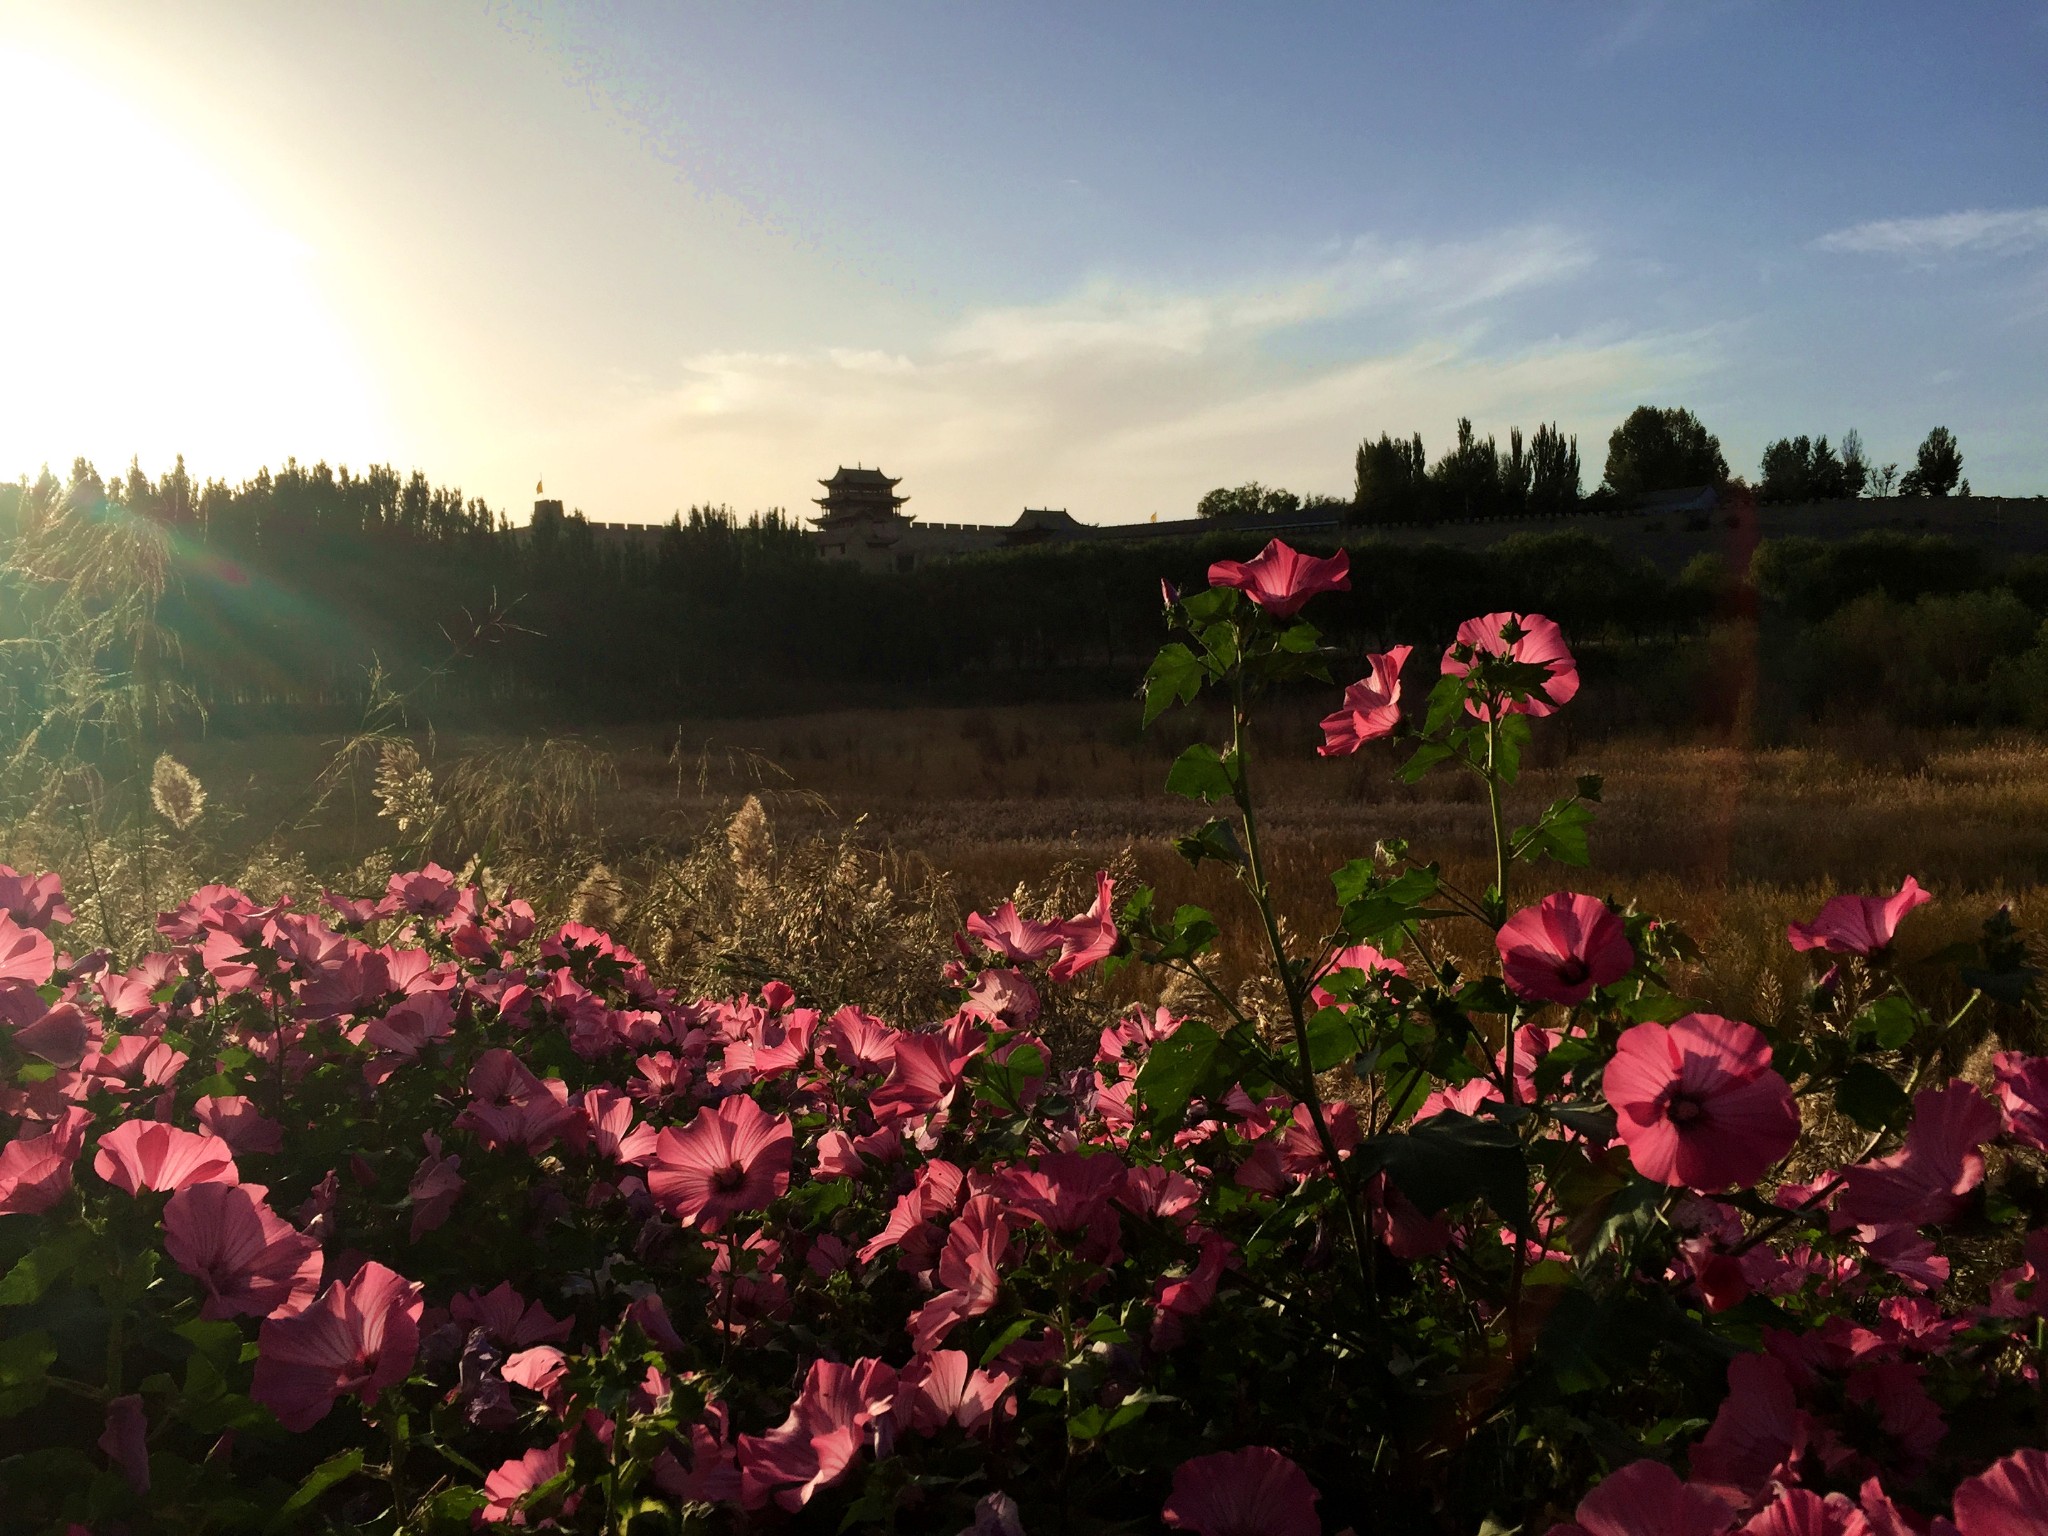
(1120, 400)
(1975, 231)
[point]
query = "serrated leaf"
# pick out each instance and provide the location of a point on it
(1446, 702)
(1868, 1095)
(43, 1265)
(1332, 1038)
(1450, 1159)
(1201, 773)
(25, 1361)
(1176, 1068)
(1175, 677)
(1214, 840)
(1890, 1020)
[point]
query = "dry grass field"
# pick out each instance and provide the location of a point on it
(1729, 842)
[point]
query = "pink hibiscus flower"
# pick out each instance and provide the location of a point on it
(34, 901)
(2023, 1093)
(35, 1171)
(1541, 644)
(1014, 937)
(126, 1440)
(1858, 925)
(1645, 1498)
(943, 1389)
(1282, 580)
(518, 1477)
(731, 1158)
(1252, 1492)
(1758, 1430)
(147, 1154)
(1372, 706)
(1927, 1181)
(251, 1260)
(60, 1037)
(1087, 940)
(842, 1410)
(1559, 950)
(434, 1188)
(238, 1122)
(359, 1337)
(27, 957)
(1355, 957)
(1698, 1103)
(2010, 1498)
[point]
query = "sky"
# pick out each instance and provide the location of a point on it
(1095, 257)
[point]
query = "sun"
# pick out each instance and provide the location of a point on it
(148, 304)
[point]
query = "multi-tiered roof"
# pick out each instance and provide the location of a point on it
(859, 495)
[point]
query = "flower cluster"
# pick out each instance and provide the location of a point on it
(404, 1212)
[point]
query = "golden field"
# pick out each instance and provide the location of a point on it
(1729, 842)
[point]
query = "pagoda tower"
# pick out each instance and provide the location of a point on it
(859, 496)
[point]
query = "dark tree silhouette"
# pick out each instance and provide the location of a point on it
(1938, 467)
(1662, 449)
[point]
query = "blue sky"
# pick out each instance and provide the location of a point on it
(1102, 257)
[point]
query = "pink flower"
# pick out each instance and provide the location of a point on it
(359, 1337)
(1698, 1103)
(731, 1158)
(238, 1122)
(147, 1154)
(1355, 957)
(1372, 706)
(1758, 1431)
(60, 1036)
(35, 1171)
(1559, 950)
(1858, 925)
(970, 1269)
(513, 1107)
(2023, 1091)
(1541, 644)
(251, 1260)
(1087, 940)
(1802, 1512)
(942, 1389)
(922, 1077)
(842, 1410)
(27, 957)
(517, 1478)
(126, 1440)
(508, 1318)
(434, 1187)
(1252, 1492)
(1013, 937)
(2007, 1499)
(1003, 995)
(1645, 1498)
(1282, 580)
(1926, 1181)
(34, 901)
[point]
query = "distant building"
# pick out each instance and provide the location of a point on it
(863, 522)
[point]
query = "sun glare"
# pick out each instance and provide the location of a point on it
(147, 304)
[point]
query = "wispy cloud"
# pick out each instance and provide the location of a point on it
(1119, 400)
(1975, 231)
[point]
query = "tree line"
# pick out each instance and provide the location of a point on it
(1656, 449)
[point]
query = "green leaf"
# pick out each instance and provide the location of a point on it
(25, 1362)
(323, 1477)
(1653, 1007)
(1216, 840)
(1559, 834)
(1868, 1095)
(1005, 1339)
(1300, 638)
(42, 1266)
(1891, 1019)
(1174, 677)
(1451, 1158)
(1201, 773)
(1176, 1069)
(1446, 701)
(1004, 1082)
(1511, 736)
(1332, 1038)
